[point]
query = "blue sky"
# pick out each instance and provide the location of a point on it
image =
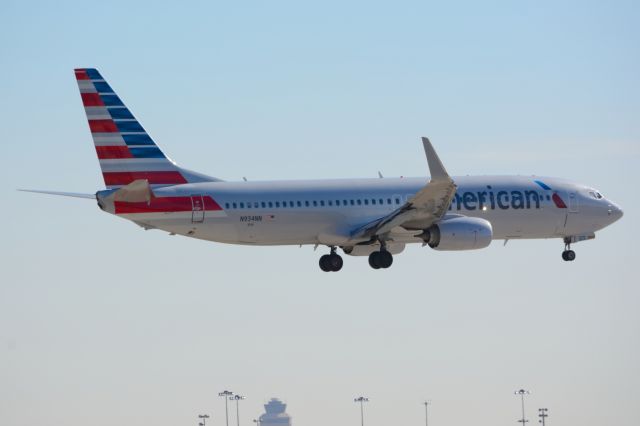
(102, 322)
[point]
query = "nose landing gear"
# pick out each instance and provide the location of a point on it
(331, 262)
(568, 255)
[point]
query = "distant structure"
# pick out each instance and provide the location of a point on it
(274, 414)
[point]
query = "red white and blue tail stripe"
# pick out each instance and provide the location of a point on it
(125, 151)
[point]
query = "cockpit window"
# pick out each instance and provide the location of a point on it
(596, 195)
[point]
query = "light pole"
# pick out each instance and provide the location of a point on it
(204, 418)
(542, 413)
(226, 394)
(237, 398)
(361, 400)
(522, 393)
(426, 412)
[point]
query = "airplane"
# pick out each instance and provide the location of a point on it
(374, 217)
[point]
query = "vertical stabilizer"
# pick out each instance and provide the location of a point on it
(125, 151)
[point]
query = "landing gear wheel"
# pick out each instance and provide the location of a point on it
(335, 262)
(569, 255)
(380, 259)
(331, 262)
(373, 260)
(385, 259)
(324, 263)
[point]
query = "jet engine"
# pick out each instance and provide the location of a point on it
(459, 233)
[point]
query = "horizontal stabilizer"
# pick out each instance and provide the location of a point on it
(64, 194)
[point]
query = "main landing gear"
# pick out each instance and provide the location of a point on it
(331, 262)
(380, 259)
(568, 255)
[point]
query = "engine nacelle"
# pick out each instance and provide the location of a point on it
(459, 233)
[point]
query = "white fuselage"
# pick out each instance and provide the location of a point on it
(327, 211)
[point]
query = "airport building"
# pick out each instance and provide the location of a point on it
(275, 414)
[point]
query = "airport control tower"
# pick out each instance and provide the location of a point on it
(274, 414)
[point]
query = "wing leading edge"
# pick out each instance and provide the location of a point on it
(425, 208)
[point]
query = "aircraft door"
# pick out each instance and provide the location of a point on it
(573, 208)
(573, 203)
(197, 209)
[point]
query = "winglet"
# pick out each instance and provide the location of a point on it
(436, 168)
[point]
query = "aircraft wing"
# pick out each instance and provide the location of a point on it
(426, 207)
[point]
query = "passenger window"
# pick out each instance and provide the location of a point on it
(381, 201)
(338, 203)
(330, 203)
(277, 204)
(315, 203)
(388, 200)
(255, 205)
(321, 203)
(263, 205)
(306, 203)
(235, 206)
(366, 202)
(397, 200)
(344, 202)
(373, 201)
(299, 204)
(359, 201)
(352, 203)
(226, 205)
(242, 205)
(248, 205)
(270, 205)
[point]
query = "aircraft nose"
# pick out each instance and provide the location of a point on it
(614, 212)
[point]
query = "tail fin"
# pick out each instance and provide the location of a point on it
(125, 151)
